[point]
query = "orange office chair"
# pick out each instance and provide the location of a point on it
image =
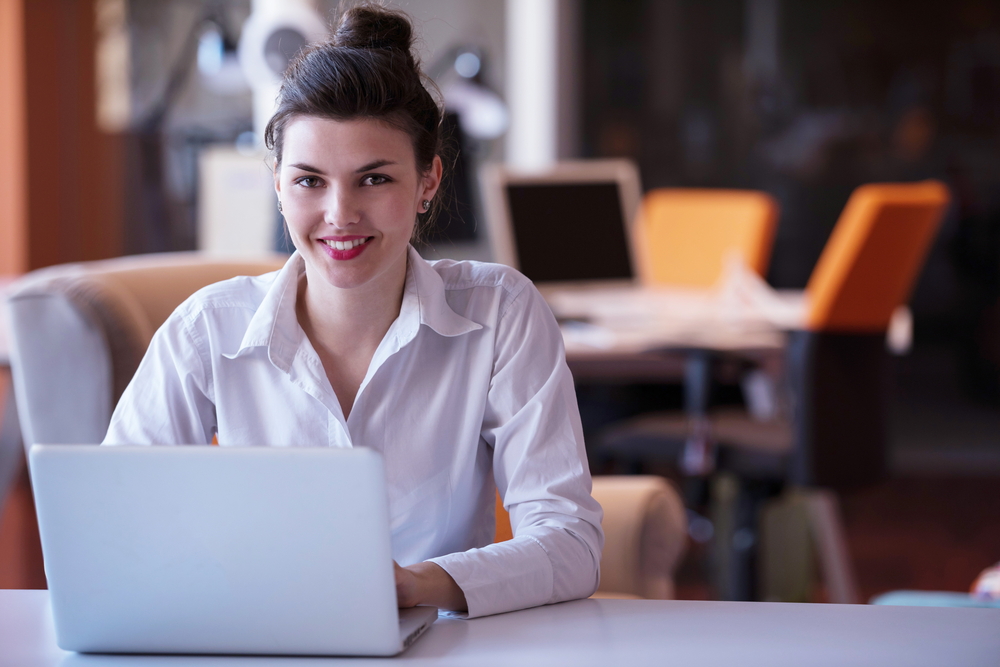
(684, 236)
(836, 367)
(872, 259)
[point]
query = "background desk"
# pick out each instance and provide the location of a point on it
(612, 632)
(605, 326)
(636, 334)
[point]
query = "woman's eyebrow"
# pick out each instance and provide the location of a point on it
(306, 167)
(368, 167)
(374, 165)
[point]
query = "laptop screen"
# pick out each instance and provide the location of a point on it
(569, 231)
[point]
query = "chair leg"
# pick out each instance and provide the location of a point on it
(827, 529)
(733, 512)
(799, 529)
(786, 563)
(698, 455)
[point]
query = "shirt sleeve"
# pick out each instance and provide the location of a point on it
(169, 399)
(540, 466)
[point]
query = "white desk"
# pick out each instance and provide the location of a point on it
(635, 334)
(739, 313)
(609, 633)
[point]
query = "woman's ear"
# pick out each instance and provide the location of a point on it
(276, 172)
(432, 179)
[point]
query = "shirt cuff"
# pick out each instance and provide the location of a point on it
(505, 576)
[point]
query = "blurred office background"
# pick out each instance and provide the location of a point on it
(124, 120)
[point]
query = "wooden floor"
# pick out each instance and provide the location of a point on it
(917, 533)
(923, 533)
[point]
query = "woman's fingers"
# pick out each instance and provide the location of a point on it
(406, 587)
(427, 583)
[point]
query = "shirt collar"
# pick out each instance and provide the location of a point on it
(275, 324)
(425, 285)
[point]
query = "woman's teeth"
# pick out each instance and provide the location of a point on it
(345, 245)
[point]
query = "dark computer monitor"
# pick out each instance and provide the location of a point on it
(569, 223)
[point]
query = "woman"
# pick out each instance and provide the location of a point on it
(454, 371)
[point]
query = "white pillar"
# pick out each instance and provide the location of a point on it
(532, 82)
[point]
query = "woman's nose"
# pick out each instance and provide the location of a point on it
(340, 208)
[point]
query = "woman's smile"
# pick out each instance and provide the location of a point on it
(344, 248)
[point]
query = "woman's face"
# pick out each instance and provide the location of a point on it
(350, 193)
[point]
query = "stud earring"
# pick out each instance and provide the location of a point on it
(279, 207)
(427, 204)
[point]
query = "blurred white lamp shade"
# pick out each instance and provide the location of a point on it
(271, 38)
(481, 113)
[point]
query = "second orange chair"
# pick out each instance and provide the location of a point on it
(685, 235)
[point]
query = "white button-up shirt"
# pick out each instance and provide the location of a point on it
(467, 392)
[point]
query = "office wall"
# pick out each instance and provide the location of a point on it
(13, 221)
(60, 181)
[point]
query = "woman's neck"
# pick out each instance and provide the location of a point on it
(345, 326)
(344, 320)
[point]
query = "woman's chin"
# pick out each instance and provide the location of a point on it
(344, 278)
(357, 273)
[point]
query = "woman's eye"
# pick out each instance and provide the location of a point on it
(307, 181)
(374, 179)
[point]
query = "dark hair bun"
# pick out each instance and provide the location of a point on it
(370, 26)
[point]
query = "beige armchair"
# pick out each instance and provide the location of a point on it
(79, 331)
(645, 536)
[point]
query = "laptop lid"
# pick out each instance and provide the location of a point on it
(254, 550)
(568, 223)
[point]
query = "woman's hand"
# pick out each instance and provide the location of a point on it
(428, 584)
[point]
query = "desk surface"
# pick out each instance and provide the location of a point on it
(635, 319)
(639, 334)
(612, 632)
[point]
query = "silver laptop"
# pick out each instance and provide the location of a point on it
(256, 550)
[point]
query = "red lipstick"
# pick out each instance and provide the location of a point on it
(350, 250)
